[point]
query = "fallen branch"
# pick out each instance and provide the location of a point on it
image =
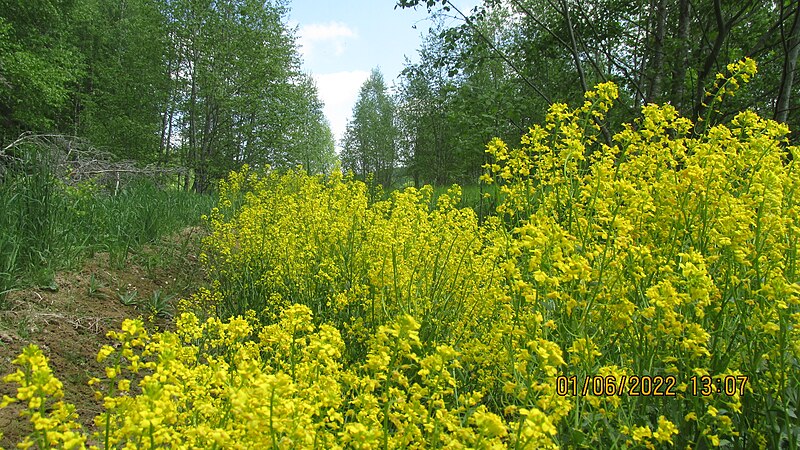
(74, 160)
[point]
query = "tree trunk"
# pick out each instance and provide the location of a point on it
(192, 150)
(681, 56)
(169, 134)
(573, 46)
(723, 30)
(201, 175)
(791, 47)
(166, 121)
(657, 61)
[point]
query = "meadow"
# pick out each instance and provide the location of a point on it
(642, 294)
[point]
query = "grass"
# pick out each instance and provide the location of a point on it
(472, 196)
(48, 225)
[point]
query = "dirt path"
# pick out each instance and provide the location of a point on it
(69, 320)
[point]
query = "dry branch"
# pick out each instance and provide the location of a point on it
(74, 160)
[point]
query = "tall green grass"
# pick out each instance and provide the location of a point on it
(138, 215)
(46, 225)
(474, 196)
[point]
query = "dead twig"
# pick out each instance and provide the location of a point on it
(74, 160)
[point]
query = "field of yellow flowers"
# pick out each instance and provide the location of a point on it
(640, 295)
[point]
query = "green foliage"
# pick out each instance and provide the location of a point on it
(39, 65)
(456, 99)
(158, 304)
(33, 210)
(504, 63)
(46, 225)
(9, 247)
(309, 140)
(127, 87)
(370, 142)
(479, 197)
(129, 298)
(204, 85)
(244, 99)
(93, 290)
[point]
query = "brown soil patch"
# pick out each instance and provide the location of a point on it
(70, 324)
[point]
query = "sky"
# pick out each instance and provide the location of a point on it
(342, 41)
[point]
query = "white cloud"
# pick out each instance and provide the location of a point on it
(330, 36)
(339, 91)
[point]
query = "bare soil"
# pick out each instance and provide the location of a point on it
(69, 320)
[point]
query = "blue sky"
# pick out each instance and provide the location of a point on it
(342, 41)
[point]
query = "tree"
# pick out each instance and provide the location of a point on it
(204, 84)
(236, 93)
(309, 141)
(655, 50)
(118, 103)
(370, 141)
(791, 48)
(39, 65)
(424, 99)
(461, 94)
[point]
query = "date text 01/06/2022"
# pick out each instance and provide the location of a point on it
(650, 386)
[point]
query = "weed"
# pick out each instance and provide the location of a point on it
(158, 304)
(129, 298)
(94, 287)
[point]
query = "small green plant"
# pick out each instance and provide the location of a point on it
(158, 304)
(94, 287)
(24, 327)
(129, 298)
(45, 278)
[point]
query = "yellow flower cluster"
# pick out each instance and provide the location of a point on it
(53, 420)
(356, 264)
(668, 253)
(236, 384)
(656, 275)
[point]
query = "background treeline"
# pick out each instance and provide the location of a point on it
(494, 70)
(206, 85)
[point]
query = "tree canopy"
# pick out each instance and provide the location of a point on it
(497, 70)
(211, 85)
(370, 141)
(205, 85)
